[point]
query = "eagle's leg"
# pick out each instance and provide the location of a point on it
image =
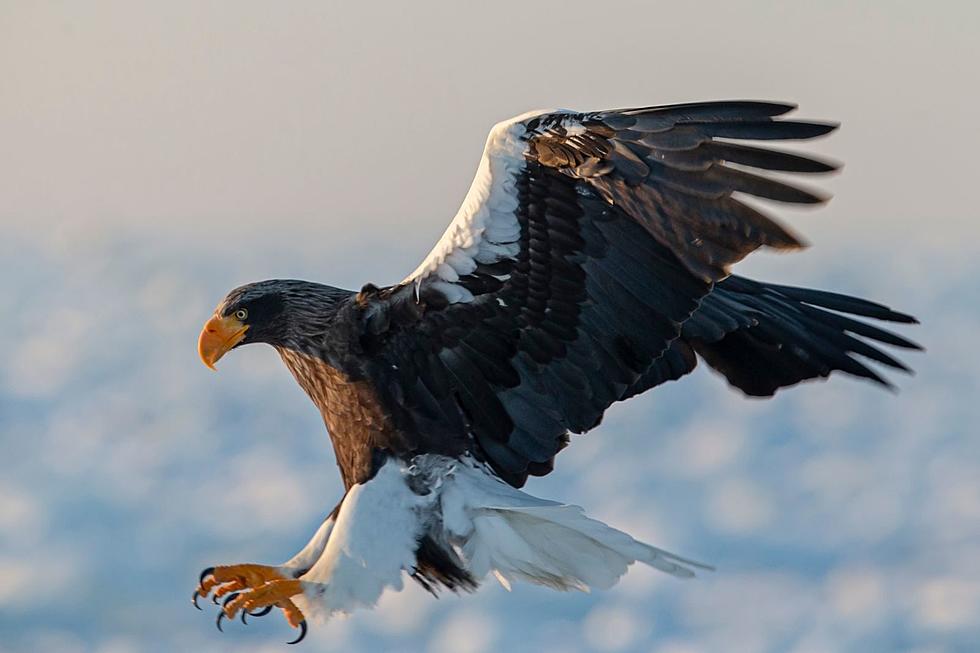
(232, 578)
(238, 583)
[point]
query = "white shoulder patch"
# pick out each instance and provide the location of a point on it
(485, 229)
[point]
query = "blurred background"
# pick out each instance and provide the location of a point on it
(154, 155)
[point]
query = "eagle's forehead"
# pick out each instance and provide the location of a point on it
(249, 292)
(296, 293)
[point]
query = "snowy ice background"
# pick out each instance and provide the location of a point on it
(153, 157)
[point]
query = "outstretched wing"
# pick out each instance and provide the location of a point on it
(585, 244)
(764, 336)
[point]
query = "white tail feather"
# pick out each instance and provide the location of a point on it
(493, 527)
(518, 536)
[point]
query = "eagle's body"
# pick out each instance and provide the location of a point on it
(588, 263)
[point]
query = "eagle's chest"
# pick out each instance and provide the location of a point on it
(357, 421)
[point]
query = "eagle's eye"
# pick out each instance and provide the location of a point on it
(241, 314)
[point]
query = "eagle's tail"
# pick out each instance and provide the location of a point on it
(475, 520)
(515, 536)
(560, 547)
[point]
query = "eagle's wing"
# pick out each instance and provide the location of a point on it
(584, 246)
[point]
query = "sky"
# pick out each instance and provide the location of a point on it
(153, 156)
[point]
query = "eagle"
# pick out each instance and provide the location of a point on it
(589, 262)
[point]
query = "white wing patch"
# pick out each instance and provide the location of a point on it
(485, 229)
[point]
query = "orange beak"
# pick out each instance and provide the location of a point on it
(218, 336)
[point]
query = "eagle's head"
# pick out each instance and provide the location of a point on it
(279, 312)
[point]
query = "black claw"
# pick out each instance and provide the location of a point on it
(261, 613)
(200, 581)
(214, 599)
(221, 612)
(302, 633)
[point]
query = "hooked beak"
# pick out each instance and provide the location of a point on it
(218, 336)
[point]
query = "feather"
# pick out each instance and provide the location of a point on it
(587, 245)
(519, 536)
(372, 542)
(657, 118)
(763, 337)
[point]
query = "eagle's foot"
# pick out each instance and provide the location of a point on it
(275, 593)
(231, 578)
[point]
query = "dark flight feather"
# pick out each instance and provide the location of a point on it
(627, 223)
(627, 229)
(590, 263)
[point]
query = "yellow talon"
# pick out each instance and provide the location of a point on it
(251, 587)
(277, 593)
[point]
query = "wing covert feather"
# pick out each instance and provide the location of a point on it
(569, 277)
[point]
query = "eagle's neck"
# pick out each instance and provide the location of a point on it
(356, 420)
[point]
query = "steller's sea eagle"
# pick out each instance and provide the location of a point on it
(588, 263)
